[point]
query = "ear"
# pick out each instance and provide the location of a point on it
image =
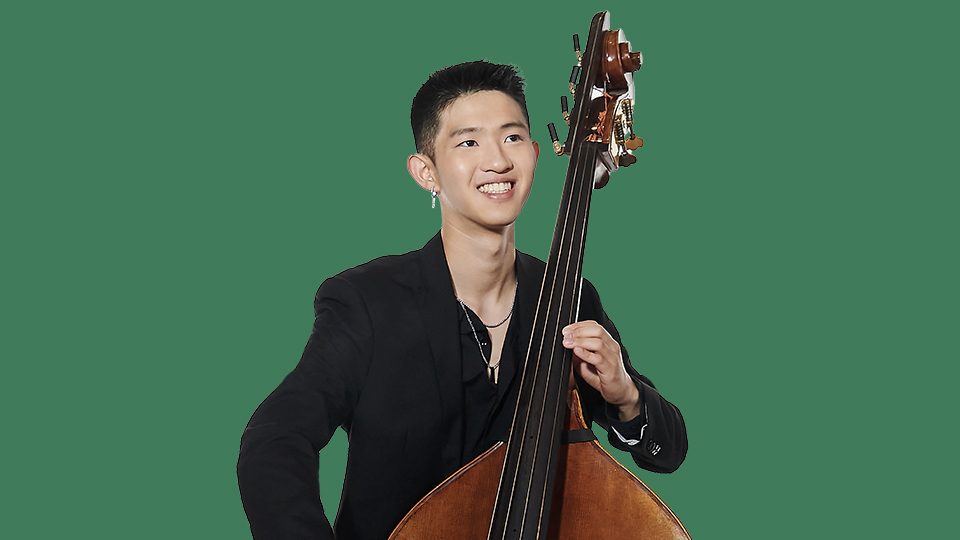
(536, 151)
(420, 167)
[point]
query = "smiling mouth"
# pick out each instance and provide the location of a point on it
(496, 187)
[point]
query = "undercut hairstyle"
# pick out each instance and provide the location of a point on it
(448, 84)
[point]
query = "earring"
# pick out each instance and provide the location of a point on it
(433, 198)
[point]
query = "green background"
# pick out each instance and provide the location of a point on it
(179, 177)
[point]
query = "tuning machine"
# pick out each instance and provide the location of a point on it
(564, 106)
(576, 49)
(565, 109)
(575, 74)
(625, 145)
(557, 147)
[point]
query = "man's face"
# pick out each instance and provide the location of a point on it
(484, 161)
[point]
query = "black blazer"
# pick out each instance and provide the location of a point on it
(383, 361)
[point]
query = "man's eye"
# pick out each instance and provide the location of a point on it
(468, 143)
(514, 138)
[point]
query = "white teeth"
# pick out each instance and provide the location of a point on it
(497, 187)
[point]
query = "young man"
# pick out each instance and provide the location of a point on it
(418, 356)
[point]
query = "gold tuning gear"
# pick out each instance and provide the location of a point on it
(628, 112)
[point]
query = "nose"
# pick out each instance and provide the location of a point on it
(496, 159)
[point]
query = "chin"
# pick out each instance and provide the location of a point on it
(501, 224)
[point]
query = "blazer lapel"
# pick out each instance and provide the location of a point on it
(438, 311)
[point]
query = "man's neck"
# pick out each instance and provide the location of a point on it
(482, 267)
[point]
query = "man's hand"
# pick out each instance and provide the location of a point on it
(596, 357)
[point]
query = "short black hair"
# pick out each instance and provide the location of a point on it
(448, 84)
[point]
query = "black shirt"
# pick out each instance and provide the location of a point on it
(488, 407)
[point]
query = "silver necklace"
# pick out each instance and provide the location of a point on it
(492, 371)
(499, 323)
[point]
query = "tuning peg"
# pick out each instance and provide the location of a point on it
(633, 142)
(576, 48)
(627, 160)
(565, 109)
(557, 147)
(573, 78)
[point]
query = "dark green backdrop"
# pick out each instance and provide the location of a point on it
(179, 177)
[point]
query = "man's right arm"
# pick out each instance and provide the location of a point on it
(278, 464)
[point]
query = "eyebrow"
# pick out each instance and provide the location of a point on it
(472, 129)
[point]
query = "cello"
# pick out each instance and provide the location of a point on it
(540, 484)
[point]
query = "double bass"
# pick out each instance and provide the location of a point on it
(541, 484)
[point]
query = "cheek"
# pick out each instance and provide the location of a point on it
(527, 159)
(455, 173)
(462, 170)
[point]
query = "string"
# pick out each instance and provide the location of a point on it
(576, 202)
(566, 291)
(566, 257)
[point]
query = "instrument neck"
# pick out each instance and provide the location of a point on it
(526, 485)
